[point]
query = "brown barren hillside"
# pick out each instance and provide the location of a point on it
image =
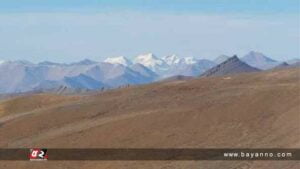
(250, 110)
(21, 104)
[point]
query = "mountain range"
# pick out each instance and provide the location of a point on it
(254, 110)
(23, 76)
(232, 65)
(259, 60)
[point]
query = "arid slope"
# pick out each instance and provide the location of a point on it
(251, 110)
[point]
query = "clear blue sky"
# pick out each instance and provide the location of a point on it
(183, 5)
(70, 30)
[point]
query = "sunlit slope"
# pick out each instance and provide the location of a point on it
(255, 110)
(22, 104)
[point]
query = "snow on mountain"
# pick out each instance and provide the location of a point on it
(259, 60)
(23, 76)
(28, 76)
(152, 62)
(118, 60)
(189, 68)
(190, 60)
(2, 61)
(171, 59)
(175, 60)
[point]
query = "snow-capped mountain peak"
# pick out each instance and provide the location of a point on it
(2, 61)
(152, 62)
(172, 59)
(118, 60)
(175, 60)
(190, 60)
(149, 60)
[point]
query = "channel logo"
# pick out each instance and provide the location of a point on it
(37, 154)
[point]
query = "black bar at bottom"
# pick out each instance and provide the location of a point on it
(129, 154)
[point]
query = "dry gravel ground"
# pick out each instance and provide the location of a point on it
(254, 110)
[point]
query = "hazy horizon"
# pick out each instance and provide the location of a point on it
(133, 57)
(68, 31)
